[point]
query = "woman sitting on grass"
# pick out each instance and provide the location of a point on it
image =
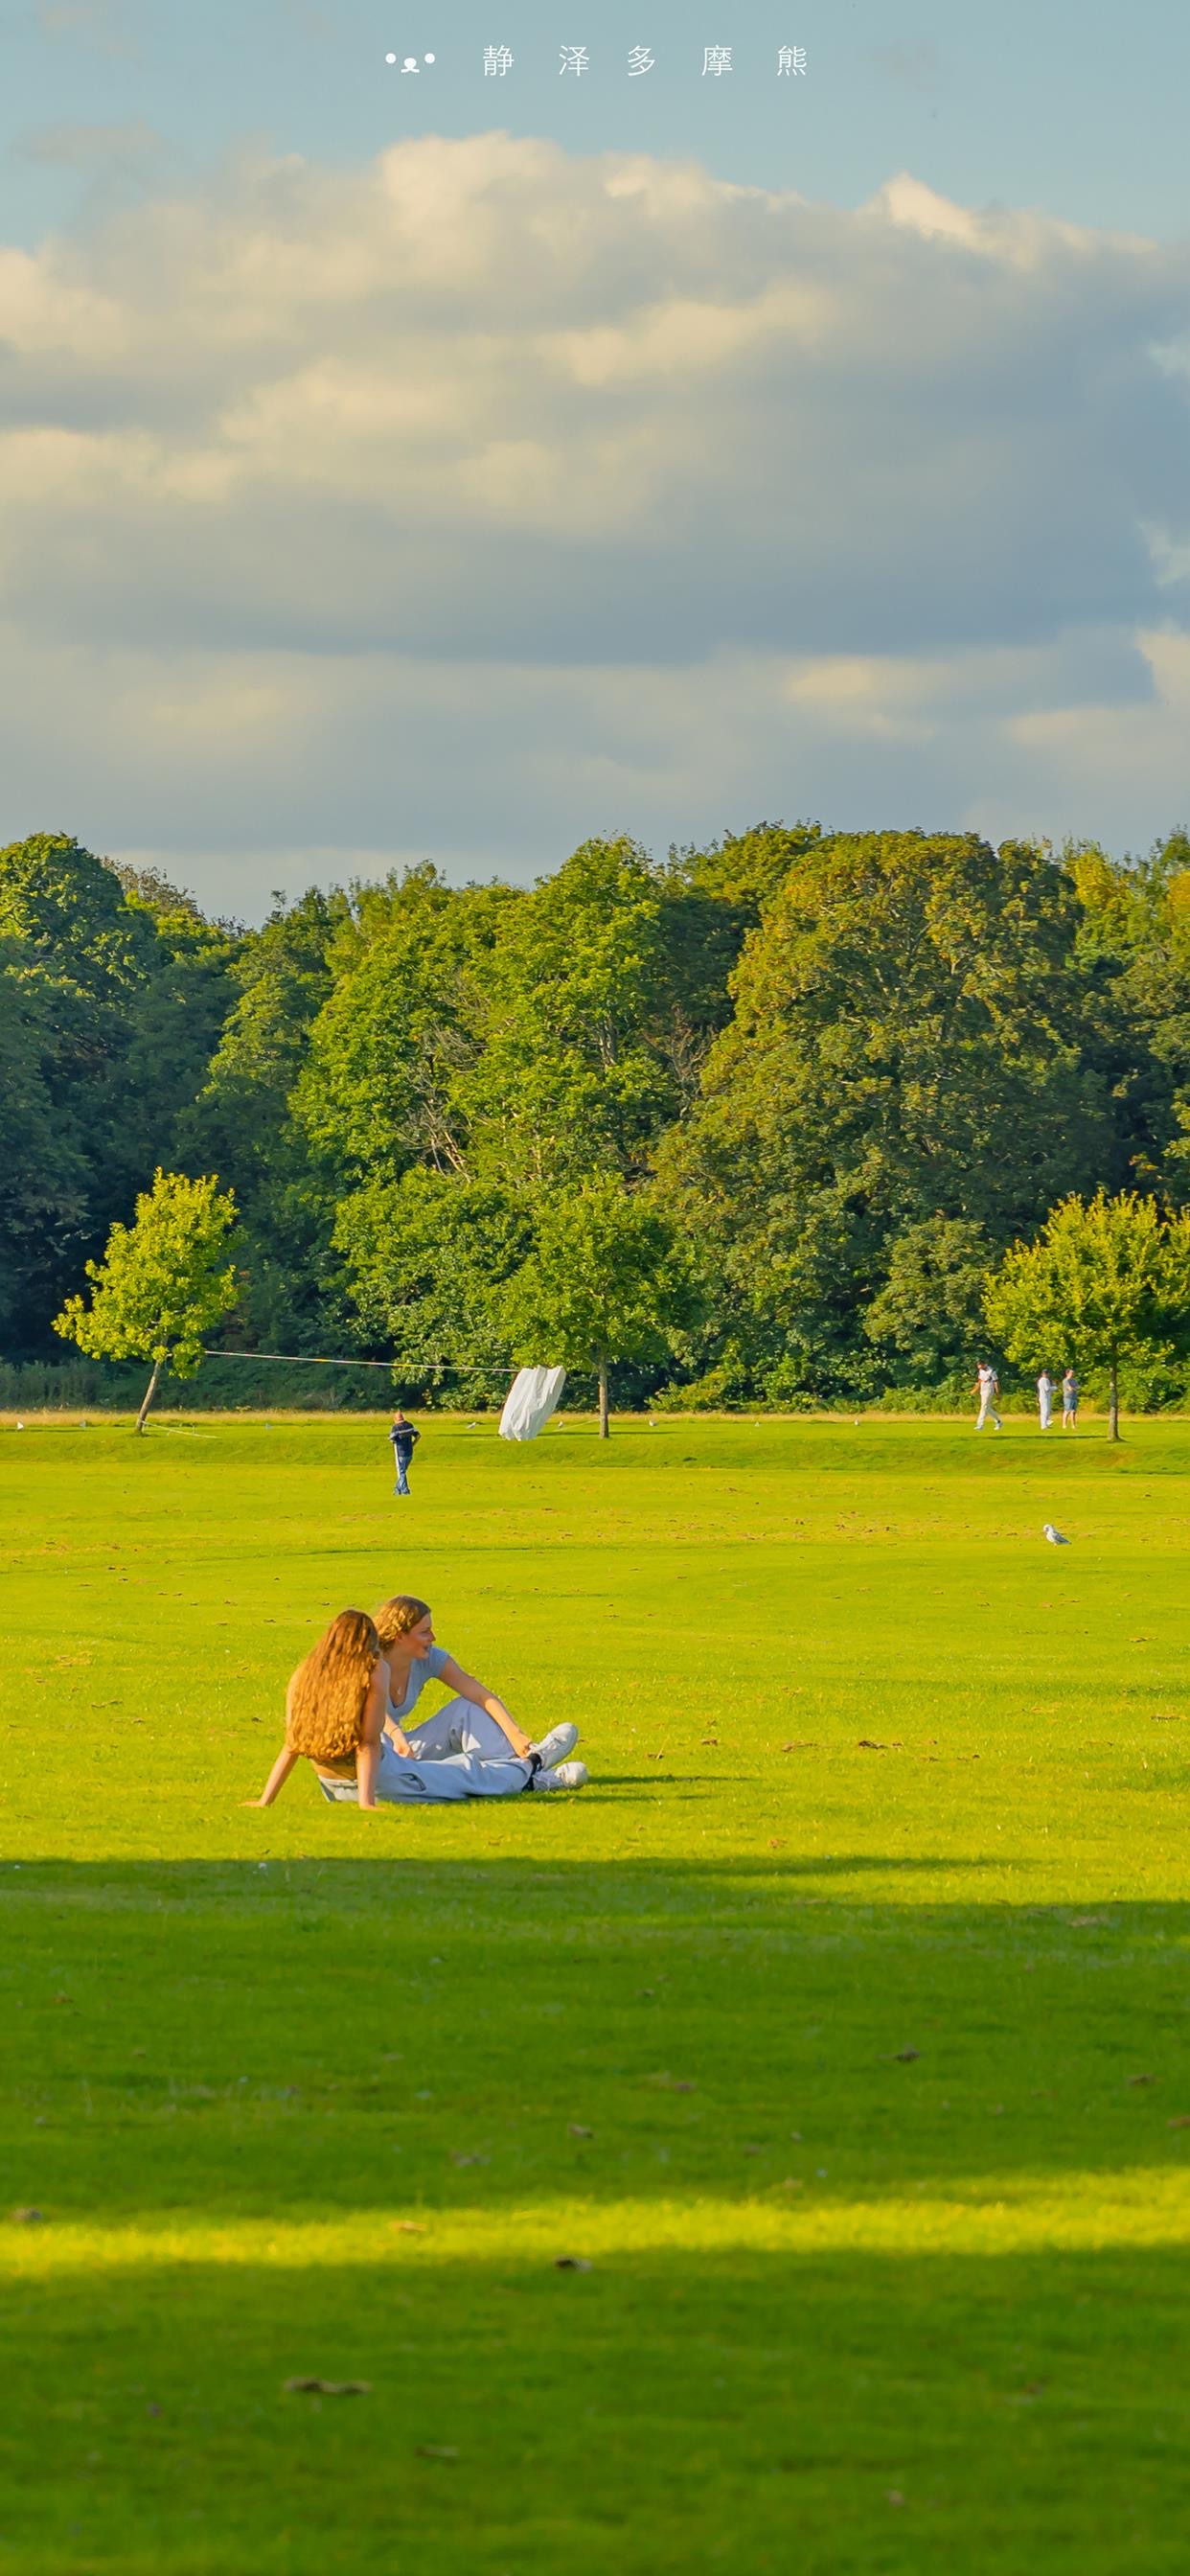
(475, 1725)
(336, 1710)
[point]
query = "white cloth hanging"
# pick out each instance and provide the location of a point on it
(532, 1398)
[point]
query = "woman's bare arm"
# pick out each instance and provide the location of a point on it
(480, 1696)
(284, 1762)
(367, 1758)
(276, 1779)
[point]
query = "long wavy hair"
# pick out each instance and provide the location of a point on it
(330, 1689)
(395, 1618)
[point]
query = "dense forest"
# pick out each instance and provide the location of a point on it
(826, 1078)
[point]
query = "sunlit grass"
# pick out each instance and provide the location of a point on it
(839, 2026)
(1008, 2215)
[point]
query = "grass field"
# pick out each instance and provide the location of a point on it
(840, 2026)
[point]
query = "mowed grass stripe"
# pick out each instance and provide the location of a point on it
(1090, 2211)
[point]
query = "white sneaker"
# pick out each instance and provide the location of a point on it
(555, 1746)
(564, 1775)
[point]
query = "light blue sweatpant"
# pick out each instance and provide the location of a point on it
(460, 1752)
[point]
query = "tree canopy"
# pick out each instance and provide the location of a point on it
(164, 1281)
(911, 1048)
(844, 1072)
(1102, 1285)
(605, 1281)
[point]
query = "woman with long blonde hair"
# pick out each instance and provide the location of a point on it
(335, 1708)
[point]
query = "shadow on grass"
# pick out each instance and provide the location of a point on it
(436, 2053)
(748, 2414)
(341, 2033)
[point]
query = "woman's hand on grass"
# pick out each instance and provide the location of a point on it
(276, 1779)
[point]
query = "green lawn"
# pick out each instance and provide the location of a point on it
(856, 2071)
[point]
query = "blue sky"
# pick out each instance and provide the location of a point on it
(401, 467)
(1077, 105)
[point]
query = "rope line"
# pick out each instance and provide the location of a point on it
(310, 1359)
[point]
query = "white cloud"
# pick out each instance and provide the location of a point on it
(104, 25)
(489, 496)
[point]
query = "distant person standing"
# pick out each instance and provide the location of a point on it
(1045, 1398)
(987, 1388)
(1069, 1400)
(404, 1437)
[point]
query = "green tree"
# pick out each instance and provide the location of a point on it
(428, 1257)
(927, 1314)
(243, 1126)
(594, 1023)
(404, 1016)
(189, 988)
(910, 1047)
(164, 1281)
(1134, 948)
(747, 869)
(1105, 1284)
(606, 1281)
(121, 990)
(44, 1178)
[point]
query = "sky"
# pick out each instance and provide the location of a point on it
(438, 464)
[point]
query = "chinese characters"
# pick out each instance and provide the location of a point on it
(576, 62)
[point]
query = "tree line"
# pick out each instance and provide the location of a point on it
(749, 1124)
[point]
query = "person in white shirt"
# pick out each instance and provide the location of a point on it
(1045, 1398)
(987, 1388)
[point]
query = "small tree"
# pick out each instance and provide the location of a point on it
(1104, 1284)
(605, 1283)
(161, 1285)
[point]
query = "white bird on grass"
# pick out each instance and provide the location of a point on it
(1054, 1536)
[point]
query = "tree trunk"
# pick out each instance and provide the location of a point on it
(603, 1422)
(150, 1392)
(1113, 1405)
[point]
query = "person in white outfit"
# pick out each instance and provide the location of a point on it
(1045, 1398)
(987, 1388)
